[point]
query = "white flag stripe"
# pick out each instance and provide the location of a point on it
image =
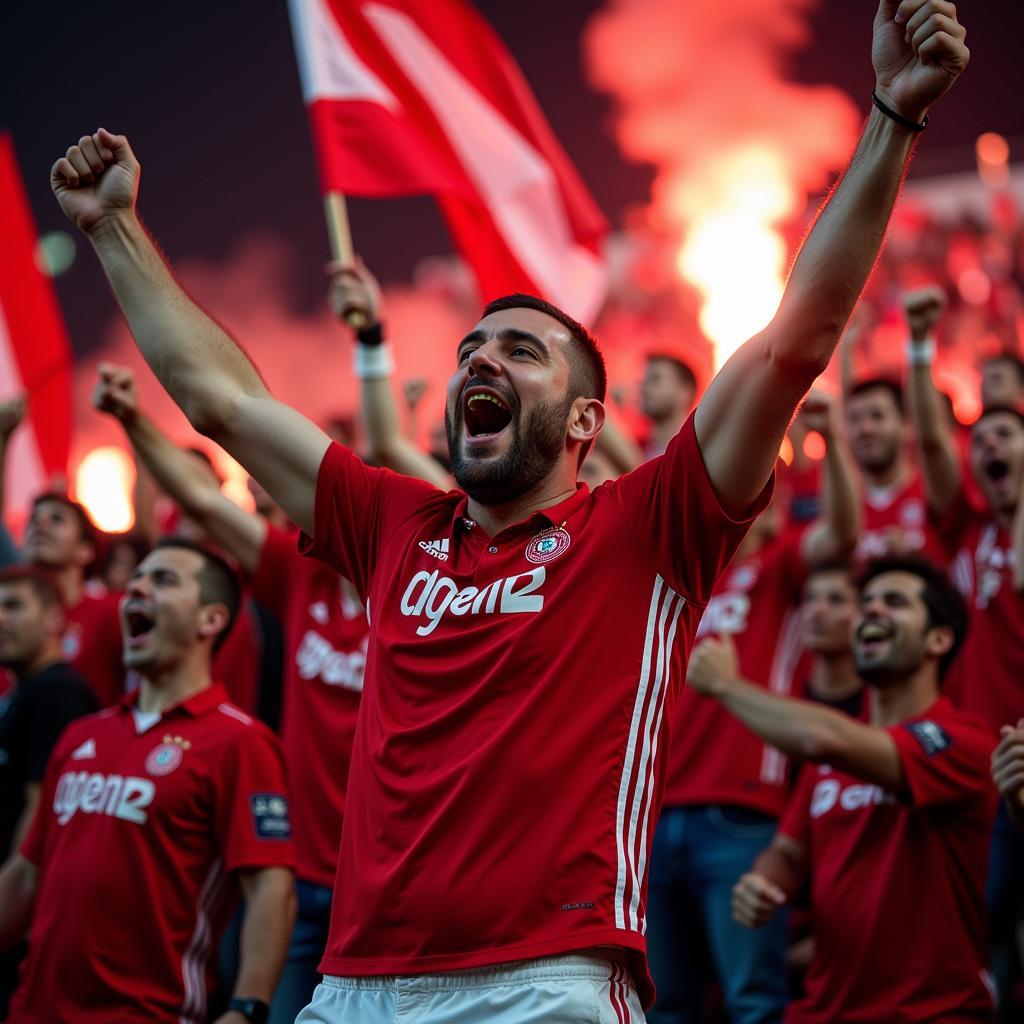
(328, 66)
(514, 180)
(26, 474)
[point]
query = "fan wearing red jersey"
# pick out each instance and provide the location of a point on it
(527, 636)
(890, 823)
(61, 540)
(986, 546)
(152, 813)
(724, 788)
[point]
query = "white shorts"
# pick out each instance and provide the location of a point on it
(553, 990)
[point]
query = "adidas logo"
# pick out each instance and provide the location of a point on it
(86, 750)
(437, 548)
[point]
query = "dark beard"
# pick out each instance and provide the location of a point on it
(537, 442)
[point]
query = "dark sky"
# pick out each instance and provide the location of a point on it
(208, 93)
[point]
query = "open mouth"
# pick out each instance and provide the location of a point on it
(996, 470)
(138, 625)
(485, 413)
(872, 635)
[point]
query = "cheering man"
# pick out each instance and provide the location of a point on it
(525, 634)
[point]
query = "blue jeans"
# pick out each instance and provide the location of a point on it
(698, 855)
(309, 937)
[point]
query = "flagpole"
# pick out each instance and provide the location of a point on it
(340, 235)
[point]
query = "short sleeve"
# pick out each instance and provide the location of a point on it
(671, 507)
(953, 525)
(795, 821)
(356, 507)
(53, 708)
(33, 846)
(271, 583)
(944, 761)
(253, 821)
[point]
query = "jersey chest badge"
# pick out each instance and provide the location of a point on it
(166, 756)
(548, 545)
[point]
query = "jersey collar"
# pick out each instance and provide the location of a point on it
(195, 706)
(553, 515)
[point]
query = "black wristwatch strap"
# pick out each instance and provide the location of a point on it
(254, 1010)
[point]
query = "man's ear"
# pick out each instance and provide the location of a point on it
(586, 420)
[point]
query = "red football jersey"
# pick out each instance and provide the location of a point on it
(988, 674)
(897, 887)
(508, 762)
(714, 758)
(92, 643)
(325, 637)
(137, 837)
(896, 522)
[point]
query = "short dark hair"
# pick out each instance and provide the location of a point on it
(995, 410)
(218, 582)
(1010, 358)
(946, 605)
(87, 528)
(588, 376)
(43, 585)
(685, 373)
(894, 388)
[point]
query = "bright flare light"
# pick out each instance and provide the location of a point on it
(103, 484)
(733, 253)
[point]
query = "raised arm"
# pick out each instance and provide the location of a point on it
(835, 532)
(918, 52)
(940, 463)
(203, 369)
(354, 289)
(12, 412)
(799, 728)
(240, 533)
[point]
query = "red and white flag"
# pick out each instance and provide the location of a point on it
(35, 357)
(412, 97)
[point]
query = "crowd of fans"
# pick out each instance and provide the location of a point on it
(844, 800)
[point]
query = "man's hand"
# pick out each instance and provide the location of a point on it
(413, 392)
(714, 665)
(96, 180)
(755, 899)
(354, 295)
(918, 52)
(1008, 766)
(923, 309)
(12, 412)
(819, 413)
(115, 393)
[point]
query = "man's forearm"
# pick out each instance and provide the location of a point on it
(840, 251)
(199, 365)
(940, 464)
(17, 894)
(840, 502)
(800, 729)
(266, 932)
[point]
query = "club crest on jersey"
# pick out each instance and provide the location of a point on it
(548, 545)
(164, 758)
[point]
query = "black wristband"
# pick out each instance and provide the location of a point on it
(914, 126)
(371, 334)
(254, 1010)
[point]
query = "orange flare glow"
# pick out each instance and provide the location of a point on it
(103, 484)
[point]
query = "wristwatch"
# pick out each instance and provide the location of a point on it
(254, 1010)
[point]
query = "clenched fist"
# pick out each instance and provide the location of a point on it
(755, 899)
(918, 52)
(115, 392)
(923, 309)
(354, 295)
(714, 664)
(96, 179)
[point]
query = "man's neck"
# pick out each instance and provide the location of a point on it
(495, 518)
(70, 581)
(833, 679)
(906, 699)
(895, 475)
(163, 688)
(664, 429)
